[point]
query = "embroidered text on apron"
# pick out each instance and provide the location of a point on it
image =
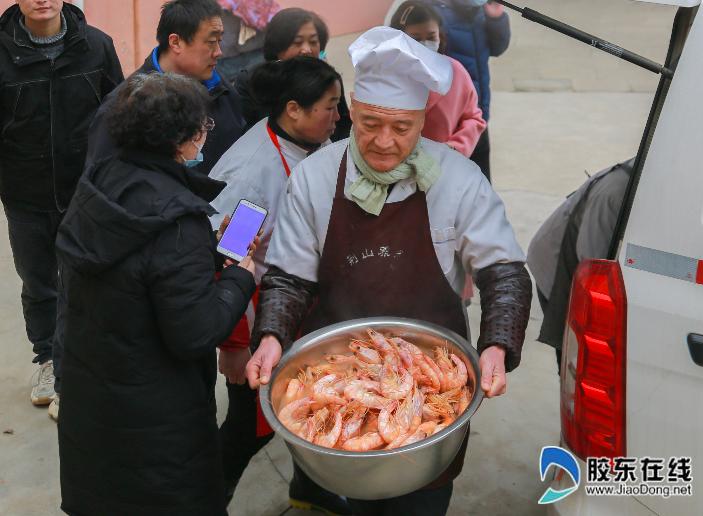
(384, 265)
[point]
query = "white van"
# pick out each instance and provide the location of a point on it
(632, 366)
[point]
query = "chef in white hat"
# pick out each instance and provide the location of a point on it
(388, 223)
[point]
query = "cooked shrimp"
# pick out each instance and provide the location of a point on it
(428, 427)
(366, 442)
(330, 438)
(388, 350)
(395, 385)
(404, 413)
(438, 406)
(315, 372)
(293, 414)
(385, 392)
(418, 400)
(370, 371)
(388, 425)
(344, 360)
(359, 391)
(441, 427)
(453, 369)
(294, 391)
(323, 390)
(429, 372)
(365, 353)
(419, 435)
(352, 421)
(422, 431)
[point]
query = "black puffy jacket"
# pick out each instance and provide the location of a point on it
(46, 108)
(138, 430)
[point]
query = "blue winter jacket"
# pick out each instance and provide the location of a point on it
(472, 38)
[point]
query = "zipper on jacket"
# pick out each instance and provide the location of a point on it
(51, 135)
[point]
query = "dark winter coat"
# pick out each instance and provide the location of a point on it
(138, 432)
(225, 109)
(46, 108)
(472, 38)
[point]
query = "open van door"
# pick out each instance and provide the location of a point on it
(661, 258)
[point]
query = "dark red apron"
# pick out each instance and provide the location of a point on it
(384, 265)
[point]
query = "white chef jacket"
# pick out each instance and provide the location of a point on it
(468, 225)
(253, 170)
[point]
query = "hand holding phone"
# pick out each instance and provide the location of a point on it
(242, 230)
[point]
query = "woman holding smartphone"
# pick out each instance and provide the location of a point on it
(137, 428)
(301, 94)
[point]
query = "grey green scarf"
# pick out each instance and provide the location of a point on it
(370, 190)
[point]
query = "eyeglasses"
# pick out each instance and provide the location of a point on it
(209, 124)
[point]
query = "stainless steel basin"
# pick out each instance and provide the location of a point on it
(376, 474)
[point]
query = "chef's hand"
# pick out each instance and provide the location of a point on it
(233, 363)
(492, 365)
(265, 358)
(493, 10)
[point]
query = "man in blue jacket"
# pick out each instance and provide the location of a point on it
(476, 30)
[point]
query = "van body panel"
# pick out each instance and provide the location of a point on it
(664, 385)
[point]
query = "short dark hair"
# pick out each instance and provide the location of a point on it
(323, 33)
(183, 17)
(415, 12)
(284, 27)
(303, 79)
(158, 112)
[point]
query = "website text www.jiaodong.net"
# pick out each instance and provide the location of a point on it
(664, 491)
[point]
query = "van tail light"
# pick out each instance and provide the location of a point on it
(593, 362)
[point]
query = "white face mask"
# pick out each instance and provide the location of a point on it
(431, 44)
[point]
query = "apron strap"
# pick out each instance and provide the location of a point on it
(276, 143)
(341, 176)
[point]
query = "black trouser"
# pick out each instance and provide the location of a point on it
(428, 502)
(544, 303)
(482, 154)
(238, 435)
(32, 239)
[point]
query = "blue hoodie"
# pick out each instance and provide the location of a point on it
(472, 38)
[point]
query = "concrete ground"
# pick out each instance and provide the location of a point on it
(542, 145)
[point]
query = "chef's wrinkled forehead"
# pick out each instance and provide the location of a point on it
(395, 71)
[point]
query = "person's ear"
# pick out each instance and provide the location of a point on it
(422, 119)
(175, 43)
(352, 108)
(294, 110)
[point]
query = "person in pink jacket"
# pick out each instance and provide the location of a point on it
(454, 118)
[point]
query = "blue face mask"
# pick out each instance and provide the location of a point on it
(323, 55)
(190, 163)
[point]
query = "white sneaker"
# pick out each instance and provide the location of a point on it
(54, 408)
(43, 384)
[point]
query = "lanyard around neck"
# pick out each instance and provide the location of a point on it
(276, 143)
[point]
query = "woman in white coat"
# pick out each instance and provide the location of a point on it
(302, 95)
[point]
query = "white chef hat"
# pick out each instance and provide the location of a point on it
(395, 71)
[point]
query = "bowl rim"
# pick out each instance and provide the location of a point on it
(416, 324)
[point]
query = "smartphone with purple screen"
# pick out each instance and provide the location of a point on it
(245, 224)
